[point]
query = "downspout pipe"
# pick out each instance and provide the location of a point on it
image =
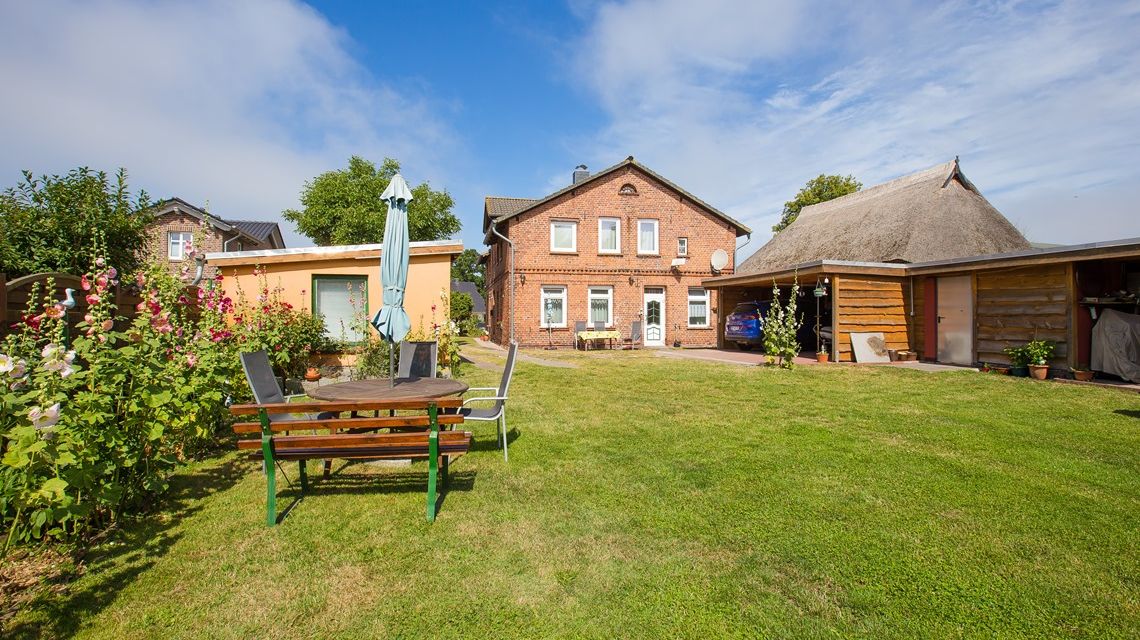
(495, 230)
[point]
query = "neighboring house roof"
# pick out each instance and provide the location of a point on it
(478, 305)
(258, 231)
(935, 214)
(498, 209)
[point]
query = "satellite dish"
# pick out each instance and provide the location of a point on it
(719, 259)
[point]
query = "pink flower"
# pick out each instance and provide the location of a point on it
(108, 324)
(88, 318)
(101, 281)
(54, 311)
(84, 283)
(100, 262)
(93, 298)
(112, 273)
(191, 360)
(140, 306)
(140, 279)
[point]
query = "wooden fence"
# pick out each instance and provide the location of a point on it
(14, 297)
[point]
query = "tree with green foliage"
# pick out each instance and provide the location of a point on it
(344, 206)
(49, 223)
(466, 268)
(819, 189)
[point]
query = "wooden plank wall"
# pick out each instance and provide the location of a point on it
(1015, 306)
(917, 326)
(868, 304)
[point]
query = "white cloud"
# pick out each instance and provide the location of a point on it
(742, 102)
(237, 103)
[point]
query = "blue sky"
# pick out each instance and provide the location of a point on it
(237, 104)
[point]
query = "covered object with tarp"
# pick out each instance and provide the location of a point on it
(1116, 344)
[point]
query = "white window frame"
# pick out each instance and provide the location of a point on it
(701, 297)
(683, 246)
(617, 236)
(608, 296)
(183, 238)
(573, 224)
(656, 250)
(557, 292)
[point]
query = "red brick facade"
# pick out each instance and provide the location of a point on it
(175, 216)
(628, 273)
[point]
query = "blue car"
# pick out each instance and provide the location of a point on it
(745, 325)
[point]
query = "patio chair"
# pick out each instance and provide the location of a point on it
(418, 359)
(579, 327)
(263, 384)
(599, 325)
(634, 335)
(498, 411)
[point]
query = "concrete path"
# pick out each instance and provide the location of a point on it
(753, 358)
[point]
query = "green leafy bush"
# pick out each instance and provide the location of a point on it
(780, 328)
(1040, 351)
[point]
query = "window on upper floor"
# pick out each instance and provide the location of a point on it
(647, 236)
(682, 246)
(609, 235)
(177, 243)
(563, 236)
(698, 307)
(553, 307)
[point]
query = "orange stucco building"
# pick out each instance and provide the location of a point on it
(324, 278)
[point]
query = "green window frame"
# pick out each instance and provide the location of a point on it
(340, 327)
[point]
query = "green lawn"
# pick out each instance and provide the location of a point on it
(652, 497)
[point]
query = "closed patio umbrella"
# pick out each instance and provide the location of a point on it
(391, 321)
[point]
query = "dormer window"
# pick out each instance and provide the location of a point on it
(627, 189)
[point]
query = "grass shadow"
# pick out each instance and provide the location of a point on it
(341, 483)
(489, 444)
(1133, 413)
(127, 553)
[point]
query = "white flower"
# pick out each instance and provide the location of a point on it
(19, 368)
(53, 365)
(6, 363)
(44, 418)
(66, 371)
(51, 351)
(69, 357)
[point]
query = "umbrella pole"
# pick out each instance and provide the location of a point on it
(391, 356)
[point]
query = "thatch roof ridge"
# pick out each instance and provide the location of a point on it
(933, 214)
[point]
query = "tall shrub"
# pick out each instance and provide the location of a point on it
(781, 327)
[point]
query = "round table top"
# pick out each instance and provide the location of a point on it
(382, 389)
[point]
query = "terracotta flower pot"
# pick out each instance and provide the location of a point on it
(312, 374)
(821, 356)
(1001, 371)
(1039, 371)
(1084, 375)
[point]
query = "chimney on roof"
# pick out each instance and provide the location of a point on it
(581, 173)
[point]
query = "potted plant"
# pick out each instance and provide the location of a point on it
(1039, 353)
(1082, 374)
(821, 356)
(313, 373)
(1018, 361)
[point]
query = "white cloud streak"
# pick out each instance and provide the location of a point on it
(744, 101)
(237, 103)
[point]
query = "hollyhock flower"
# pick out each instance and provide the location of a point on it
(69, 357)
(108, 324)
(102, 338)
(88, 318)
(112, 273)
(66, 371)
(140, 279)
(101, 281)
(93, 298)
(44, 418)
(19, 368)
(55, 311)
(53, 365)
(100, 262)
(19, 384)
(84, 283)
(51, 351)
(33, 321)
(6, 363)
(191, 360)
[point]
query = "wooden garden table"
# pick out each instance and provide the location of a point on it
(382, 389)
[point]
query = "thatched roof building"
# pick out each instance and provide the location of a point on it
(936, 214)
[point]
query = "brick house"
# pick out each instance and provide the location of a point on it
(176, 222)
(618, 246)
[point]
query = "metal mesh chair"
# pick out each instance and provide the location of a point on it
(497, 411)
(634, 334)
(418, 359)
(263, 384)
(579, 327)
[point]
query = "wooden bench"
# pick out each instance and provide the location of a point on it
(415, 436)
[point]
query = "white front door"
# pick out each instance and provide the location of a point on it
(654, 314)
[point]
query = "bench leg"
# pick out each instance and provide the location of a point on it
(271, 492)
(304, 476)
(328, 468)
